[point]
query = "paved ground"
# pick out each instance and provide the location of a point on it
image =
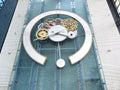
(108, 41)
(7, 55)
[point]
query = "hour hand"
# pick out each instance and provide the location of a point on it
(54, 33)
(70, 34)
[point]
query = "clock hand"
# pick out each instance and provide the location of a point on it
(59, 50)
(63, 34)
(54, 33)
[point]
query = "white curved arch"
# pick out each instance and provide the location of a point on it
(73, 58)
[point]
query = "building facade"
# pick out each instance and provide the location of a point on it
(58, 29)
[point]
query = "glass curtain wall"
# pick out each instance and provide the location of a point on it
(85, 75)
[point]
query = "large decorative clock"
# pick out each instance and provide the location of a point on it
(57, 30)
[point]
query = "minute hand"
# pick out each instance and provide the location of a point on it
(63, 34)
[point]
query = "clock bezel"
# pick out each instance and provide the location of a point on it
(41, 59)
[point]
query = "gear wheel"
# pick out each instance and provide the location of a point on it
(42, 34)
(50, 22)
(58, 21)
(70, 24)
(45, 25)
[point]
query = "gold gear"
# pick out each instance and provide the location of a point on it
(70, 24)
(42, 34)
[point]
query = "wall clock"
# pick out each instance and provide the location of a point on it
(57, 30)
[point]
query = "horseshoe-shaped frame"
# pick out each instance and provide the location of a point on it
(41, 59)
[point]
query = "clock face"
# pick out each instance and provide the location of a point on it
(57, 30)
(57, 33)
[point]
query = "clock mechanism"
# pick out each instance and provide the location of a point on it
(57, 29)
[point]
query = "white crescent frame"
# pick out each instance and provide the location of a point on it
(76, 57)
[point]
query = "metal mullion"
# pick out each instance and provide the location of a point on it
(35, 67)
(97, 53)
(32, 80)
(76, 48)
(39, 49)
(43, 49)
(43, 8)
(58, 55)
(58, 4)
(58, 81)
(36, 79)
(30, 77)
